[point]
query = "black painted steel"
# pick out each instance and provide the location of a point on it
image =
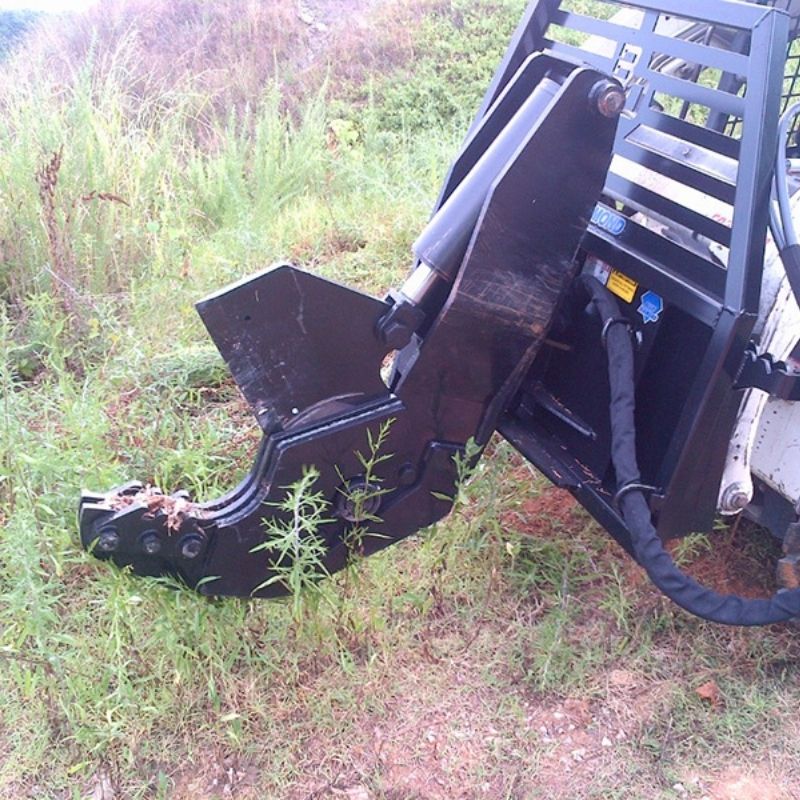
(501, 338)
(274, 332)
(308, 354)
(684, 216)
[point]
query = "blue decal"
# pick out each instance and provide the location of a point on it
(608, 220)
(652, 306)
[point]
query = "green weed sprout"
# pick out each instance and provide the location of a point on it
(297, 552)
(363, 497)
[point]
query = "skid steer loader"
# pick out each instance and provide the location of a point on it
(610, 280)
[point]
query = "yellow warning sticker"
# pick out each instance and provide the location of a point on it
(622, 286)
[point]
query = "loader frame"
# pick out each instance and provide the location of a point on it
(714, 305)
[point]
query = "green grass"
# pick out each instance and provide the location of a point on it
(447, 654)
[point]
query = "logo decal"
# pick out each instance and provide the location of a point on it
(652, 307)
(615, 224)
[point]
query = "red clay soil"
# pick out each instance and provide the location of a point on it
(741, 559)
(554, 511)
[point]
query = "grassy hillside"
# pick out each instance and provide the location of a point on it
(151, 152)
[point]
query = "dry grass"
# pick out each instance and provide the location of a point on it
(385, 40)
(226, 51)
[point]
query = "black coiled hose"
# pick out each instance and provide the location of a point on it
(650, 553)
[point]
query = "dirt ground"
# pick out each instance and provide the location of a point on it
(448, 716)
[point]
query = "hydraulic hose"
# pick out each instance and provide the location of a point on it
(781, 184)
(781, 220)
(648, 548)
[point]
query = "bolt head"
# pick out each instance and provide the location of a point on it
(108, 540)
(740, 500)
(609, 99)
(151, 543)
(190, 546)
(358, 500)
(396, 335)
(735, 498)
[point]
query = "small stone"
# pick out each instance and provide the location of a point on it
(679, 788)
(579, 754)
(606, 742)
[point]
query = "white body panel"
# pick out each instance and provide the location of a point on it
(776, 454)
(766, 441)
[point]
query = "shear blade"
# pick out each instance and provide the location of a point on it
(299, 347)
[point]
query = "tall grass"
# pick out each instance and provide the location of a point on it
(128, 193)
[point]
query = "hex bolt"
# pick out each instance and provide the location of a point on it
(190, 546)
(740, 500)
(151, 543)
(407, 475)
(108, 540)
(358, 500)
(608, 98)
(396, 335)
(734, 498)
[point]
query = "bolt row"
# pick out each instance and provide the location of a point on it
(190, 546)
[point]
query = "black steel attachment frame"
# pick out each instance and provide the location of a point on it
(636, 147)
(307, 354)
(679, 237)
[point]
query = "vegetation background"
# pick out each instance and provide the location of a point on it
(152, 151)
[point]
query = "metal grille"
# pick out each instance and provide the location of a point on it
(687, 150)
(791, 79)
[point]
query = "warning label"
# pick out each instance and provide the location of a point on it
(599, 269)
(622, 286)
